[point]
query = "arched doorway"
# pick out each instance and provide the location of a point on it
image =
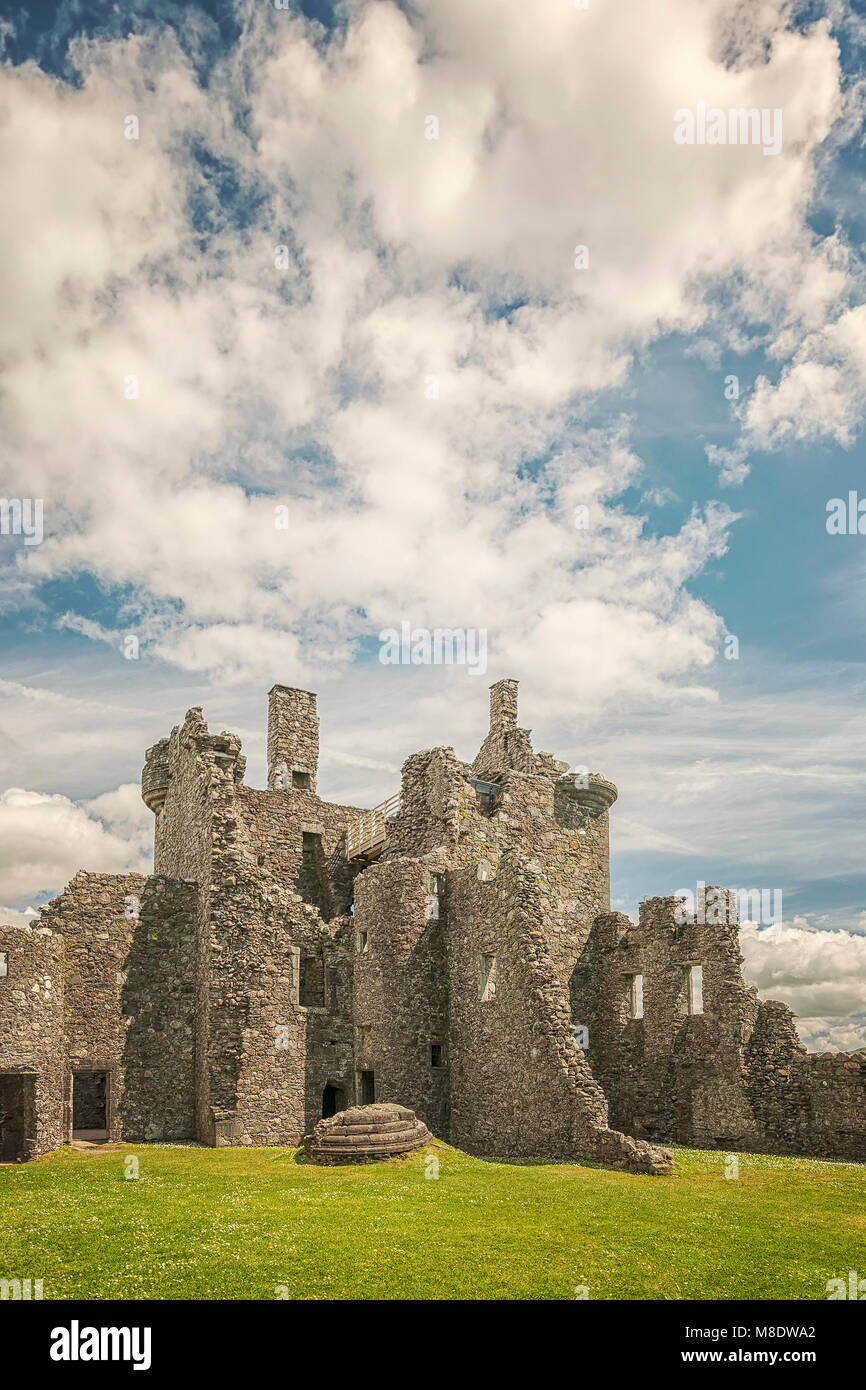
(333, 1099)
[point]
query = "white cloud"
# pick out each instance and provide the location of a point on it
(659, 496)
(820, 393)
(311, 386)
(767, 783)
(11, 917)
(555, 128)
(820, 974)
(45, 839)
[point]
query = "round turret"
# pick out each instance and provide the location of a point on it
(596, 797)
(155, 775)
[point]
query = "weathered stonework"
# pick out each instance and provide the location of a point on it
(32, 1076)
(290, 958)
(734, 1075)
(366, 1134)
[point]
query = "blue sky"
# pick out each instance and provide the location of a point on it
(153, 258)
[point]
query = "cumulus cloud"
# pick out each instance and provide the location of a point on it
(820, 974)
(45, 839)
(282, 294)
(11, 917)
(769, 781)
(387, 333)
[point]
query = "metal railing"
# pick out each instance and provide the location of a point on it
(369, 829)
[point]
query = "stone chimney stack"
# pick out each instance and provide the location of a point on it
(503, 705)
(293, 739)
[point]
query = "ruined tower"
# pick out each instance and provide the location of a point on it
(451, 949)
(293, 740)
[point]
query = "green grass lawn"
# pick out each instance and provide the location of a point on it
(238, 1223)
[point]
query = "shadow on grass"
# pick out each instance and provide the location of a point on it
(568, 1163)
(300, 1157)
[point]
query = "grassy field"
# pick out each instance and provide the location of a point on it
(239, 1223)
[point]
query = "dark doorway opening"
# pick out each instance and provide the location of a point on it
(311, 989)
(314, 884)
(368, 1088)
(17, 1116)
(333, 1099)
(90, 1105)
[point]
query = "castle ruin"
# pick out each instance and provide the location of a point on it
(452, 951)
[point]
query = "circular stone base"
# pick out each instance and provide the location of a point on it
(366, 1134)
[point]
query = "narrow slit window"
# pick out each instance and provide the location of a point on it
(486, 978)
(635, 1002)
(4, 964)
(363, 943)
(695, 988)
(437, 1055)
(435, 886)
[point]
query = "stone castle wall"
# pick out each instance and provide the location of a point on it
(128, 991)
(443, 814)
(181, 782)
(804, 1103)
(32, 1038)
(517, 1086)
(732, 1076)
(158, 1002)
(473, 971)
(96, 915)
(520, 1086)
(293, 739)
(401, 986)
(275, 892)
(105, 984)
